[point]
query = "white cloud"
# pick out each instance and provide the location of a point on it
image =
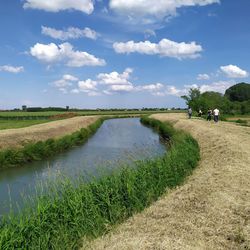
(52, 53)
(70, 78)
(219, 86)
(70, 33)
(85, 6)
(114, 78)
(87, 86)
(62, 83)
(172, 90)
(121, 88)
(11, 69)
(203, 77)
(158, 9)
(233, 71)
(116, 82)
(152, 87)
(65, 81)
(165, 48)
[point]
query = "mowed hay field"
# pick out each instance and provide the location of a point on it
(12, 138)
(210, 211)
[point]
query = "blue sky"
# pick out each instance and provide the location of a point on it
(117, 53)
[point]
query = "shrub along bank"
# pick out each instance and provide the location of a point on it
(90, 209)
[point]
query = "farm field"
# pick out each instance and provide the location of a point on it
(52, 113)
(9, 124)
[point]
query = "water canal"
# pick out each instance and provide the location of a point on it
(118, 142)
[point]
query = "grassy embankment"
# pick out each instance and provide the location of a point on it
(91, 209)
(44, 149)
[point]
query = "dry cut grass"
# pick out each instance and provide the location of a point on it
(210, 211)
(11, 138)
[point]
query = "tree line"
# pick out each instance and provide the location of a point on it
(236, 100)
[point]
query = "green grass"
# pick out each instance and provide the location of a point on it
(93, 112)
(21, 113)
(7, 124)
(89, 210)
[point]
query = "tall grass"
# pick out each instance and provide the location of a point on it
(91, 209)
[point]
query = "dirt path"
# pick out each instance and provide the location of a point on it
(18, 137)
(211, 210)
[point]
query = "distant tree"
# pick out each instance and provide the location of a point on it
(67, 108)
(193, 99)
(239, 92)
(24, 108)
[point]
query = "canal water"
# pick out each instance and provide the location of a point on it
(117, 142)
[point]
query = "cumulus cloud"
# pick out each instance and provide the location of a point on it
(152, 87)
(11, 69)
(172, 90)
(233, 71)
(85, 6)
(121, 88)
(69, 33)
(70, 78)
(52, 53)
(203, 77)
(219, 86)
(114, 78)
(87, 86)
(148, 7)
(165, 48)
(65, 81)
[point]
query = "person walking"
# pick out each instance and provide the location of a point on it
(216, 115)
(189, 112)
(209, 115)
(200, 113)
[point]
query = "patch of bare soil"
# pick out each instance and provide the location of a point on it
(210, 211)
(11, 138)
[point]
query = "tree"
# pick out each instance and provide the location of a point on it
(207, 100)
(193, 99)
(239, 92)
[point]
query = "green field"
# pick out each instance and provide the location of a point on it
(21, 113)
(7, 124)
(92, 112)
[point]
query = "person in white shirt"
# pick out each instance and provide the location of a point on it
(216, 114)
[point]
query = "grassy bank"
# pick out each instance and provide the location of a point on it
(91, 209)
(44, 149)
